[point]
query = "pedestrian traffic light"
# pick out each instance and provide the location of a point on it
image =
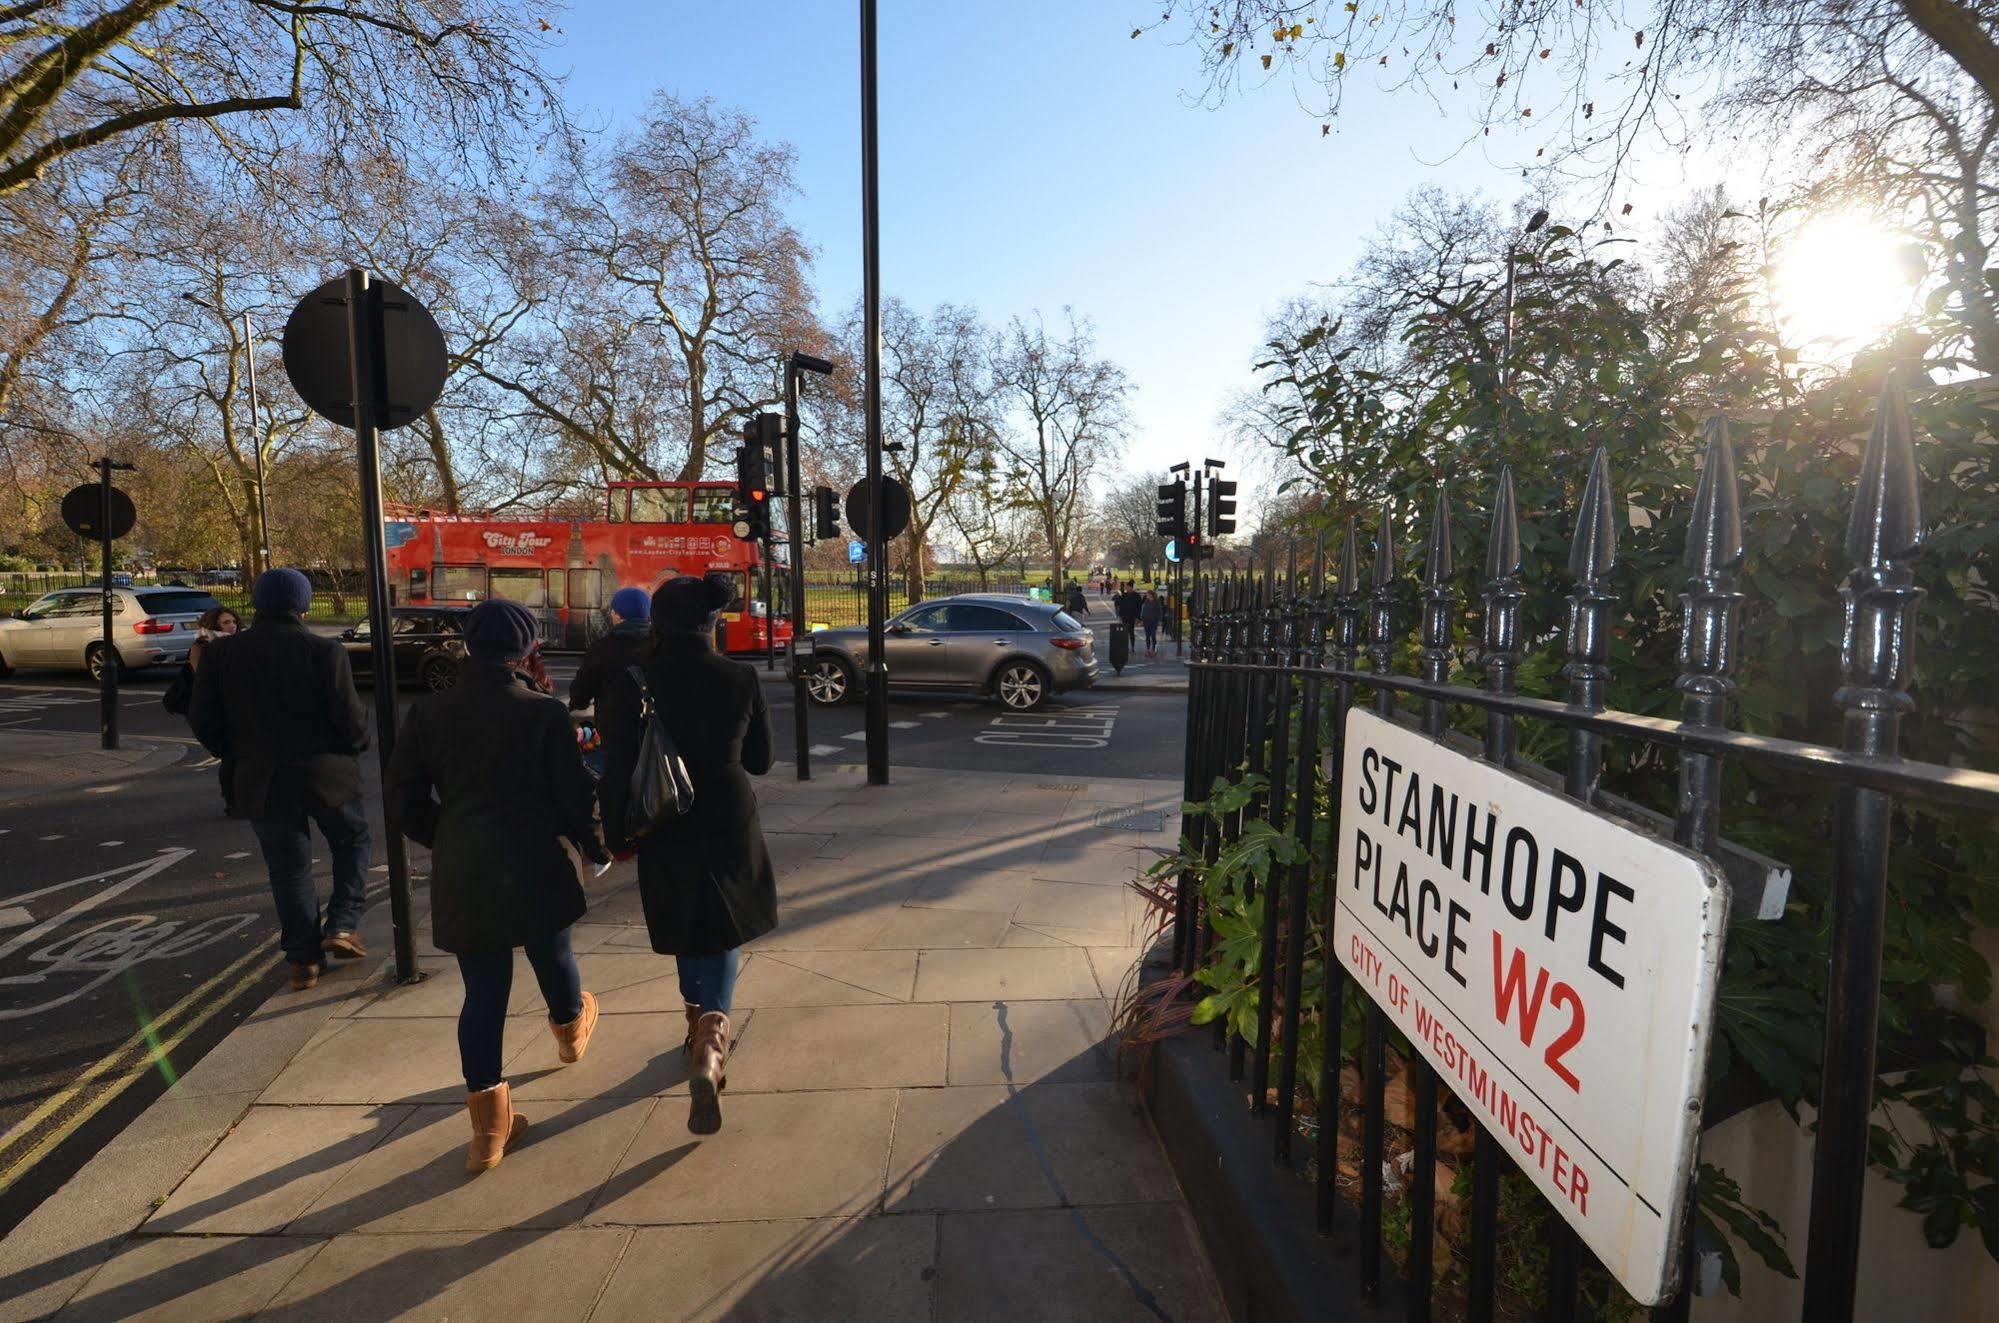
(768, 433)
(752, 487)
(825, 513)
(1173, 509)
(1221, 506)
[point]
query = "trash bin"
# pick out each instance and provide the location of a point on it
(1120, 647)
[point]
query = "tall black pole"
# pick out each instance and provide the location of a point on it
(107, 678)
(257, 445)
(793, 472)
(871, 284)
(370, 377)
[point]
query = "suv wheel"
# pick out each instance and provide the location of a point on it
(1022, 686)
(93, 661)
(439, 674)
(828, 682)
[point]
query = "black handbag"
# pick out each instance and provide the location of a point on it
(661, 788)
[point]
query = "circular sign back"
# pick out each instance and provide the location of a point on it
(83, 511)
(895, 509)
(319, 365)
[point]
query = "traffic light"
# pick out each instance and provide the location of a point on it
(767, 432)
(825, 513)
(752, 487)
(1221, 506)
(1173, 509)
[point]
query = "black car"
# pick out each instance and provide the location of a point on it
(427, 642)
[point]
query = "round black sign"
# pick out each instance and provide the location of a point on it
(83, 511)
(895, 509)
(317, 361)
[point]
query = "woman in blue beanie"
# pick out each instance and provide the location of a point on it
(705, 878)
(624, 645)
(487, 775)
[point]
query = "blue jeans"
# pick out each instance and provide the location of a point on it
(286, 841)
(489, 982)
(1152, 636)
(709, 981)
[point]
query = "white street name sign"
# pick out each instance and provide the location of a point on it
(1556, 968)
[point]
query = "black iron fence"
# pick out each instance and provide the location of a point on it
(1272, 652)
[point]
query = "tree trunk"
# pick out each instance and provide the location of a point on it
(1959, 33)
(915, 541)
(440, 456)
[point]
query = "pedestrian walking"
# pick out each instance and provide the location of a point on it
(486, 775)
(1150, 612)
(705, 878)
(1074, 600)
(616, 651)
(278, 701)
(216, 622)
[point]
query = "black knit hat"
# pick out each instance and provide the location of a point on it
(688, 605)
(500, 631)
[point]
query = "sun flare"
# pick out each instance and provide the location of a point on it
(1841, 281)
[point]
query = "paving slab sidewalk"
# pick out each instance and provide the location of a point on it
(924, 1118)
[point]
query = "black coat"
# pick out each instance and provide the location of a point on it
(280, 700)
(705, 878)
(488, 776)
(605, 661)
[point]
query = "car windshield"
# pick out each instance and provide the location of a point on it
(1067, 623)
(177, 604)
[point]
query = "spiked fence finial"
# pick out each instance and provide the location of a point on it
(1714, 537)
(1594, 551)
(1887, 521)
(1437, 565)
(1384, 547)
(1349, 560)
(1502, 548)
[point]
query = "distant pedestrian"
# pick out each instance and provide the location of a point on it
(1074, 600)
(705, 878)
(486, 775)
(623, 646)
(280, 702)
(1150, 612)
(216, 622)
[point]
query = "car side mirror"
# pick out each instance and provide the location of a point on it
(24, 614)
(898, 629)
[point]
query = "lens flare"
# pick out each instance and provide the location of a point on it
(1841, 281)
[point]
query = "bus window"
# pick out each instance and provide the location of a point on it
(738, 581)
(714, 505)
(523, 586)
(556, 585)
(615, 510)
(419, 583)
(460, 583)
(586, 589)
(659, 505)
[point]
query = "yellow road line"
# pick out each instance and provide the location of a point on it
(257, 960)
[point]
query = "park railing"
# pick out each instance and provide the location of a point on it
(1277, 667)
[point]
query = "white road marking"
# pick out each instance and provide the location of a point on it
(102, 790)
(56, 837)
(936, 714)
(104, 843)
(823, 750)
(379, 868)
(205, 762)
(239, 854)
(139, 872)
(855, 735)
(15, 917)
(905, 725)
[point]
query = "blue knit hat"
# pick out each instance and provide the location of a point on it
(282, 590)
(500, 631)
(632, 603)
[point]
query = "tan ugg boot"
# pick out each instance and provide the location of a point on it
(496, 1127)
(693, 1012)
(573, 1039)
(705, 1077)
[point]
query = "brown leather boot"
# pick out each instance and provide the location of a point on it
(496, 1127)
(573, 1039)
(693, 1012)
(705, 1077)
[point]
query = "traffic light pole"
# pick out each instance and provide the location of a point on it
(876, 725)
(795, 507)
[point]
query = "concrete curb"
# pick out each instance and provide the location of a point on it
(37, 761)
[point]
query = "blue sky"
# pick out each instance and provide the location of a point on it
(1034, 156)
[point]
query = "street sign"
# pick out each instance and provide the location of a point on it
(83, 511)
(318, 361)
(857, 552)
(895, 509)
(1555, 967)
(1173, 550)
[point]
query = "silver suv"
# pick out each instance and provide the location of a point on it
(1019, 650)
(65, 629)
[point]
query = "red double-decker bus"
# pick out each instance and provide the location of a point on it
(566, 568)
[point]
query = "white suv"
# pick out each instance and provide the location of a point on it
(64, 630)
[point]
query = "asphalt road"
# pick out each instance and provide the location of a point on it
(135, 922)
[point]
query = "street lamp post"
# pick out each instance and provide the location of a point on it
(796, 364)
(876, 725)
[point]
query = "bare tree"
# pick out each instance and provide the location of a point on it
(1066, 416)
(1129, 515)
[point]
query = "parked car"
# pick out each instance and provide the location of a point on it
(63, 630)
(428, 646)
(1016, 649)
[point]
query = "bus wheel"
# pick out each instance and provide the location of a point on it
(439, 674)
(828, 681)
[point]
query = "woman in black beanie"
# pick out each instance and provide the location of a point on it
(705, 878)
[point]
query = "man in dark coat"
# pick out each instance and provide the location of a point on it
(487, 775)
(280, 701)
(705, 878)
(624, 646)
